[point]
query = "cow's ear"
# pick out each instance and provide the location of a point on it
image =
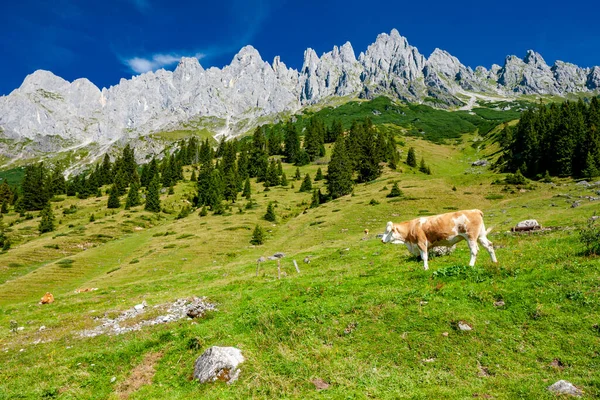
(389, 226)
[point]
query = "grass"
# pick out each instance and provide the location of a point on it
(362, 316)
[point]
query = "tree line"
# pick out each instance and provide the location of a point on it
(562, 139)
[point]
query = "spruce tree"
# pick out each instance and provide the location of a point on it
(291, 143)
(258, 236)
(319, 175)
(272, 178)
(203, 212)
(47, 219)
(270, 215)
(284, 181)
(194, 177)
(297, 174)
(133, 197)
(4, 208)
(153, 195)
(34, 188)
(339, 170)
(411, 158)
(395, 192)
(316, 198)
(423, 166)
(306, 184)
(247, 193)
(113, 198)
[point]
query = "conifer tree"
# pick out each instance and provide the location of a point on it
(306, 184)
(133, 197)
(270, 215)
(272, 178)
(283, 181)
(291, 143)
(258, 161)
(411, 158)
(247, 191)
(194, 177)
(336, 130)
(242, 164)
(339, 170)
(297, 174)
(258, 236)
(319, 175)
(153, 195)
(279, 168)
(34, 188)
(4, 208)
(203, 212)
(105, 171)
(113, 197)
(316, 198)
(395, 192)
(47, 219)
(92, 218)
(423, 166)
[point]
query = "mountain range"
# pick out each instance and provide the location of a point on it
(49, 115)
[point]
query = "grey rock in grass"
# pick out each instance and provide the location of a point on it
(463, 326)
(439, 251)
(565, 387)
(576, 204)
(218, 363)
(583, 184)
(528, 223)
(198, 308)
(479, 163)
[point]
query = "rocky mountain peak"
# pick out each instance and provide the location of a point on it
(42, 79)
(187, 69)
(535, 59)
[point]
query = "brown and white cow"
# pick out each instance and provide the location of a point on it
(422, 233)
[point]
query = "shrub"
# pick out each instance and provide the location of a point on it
(185, 211)
(258, 236)
(590, 238)
(515, 179)
(270, 215)
(373, 202)
(395, 192)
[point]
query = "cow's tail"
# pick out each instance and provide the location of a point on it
(488, 230)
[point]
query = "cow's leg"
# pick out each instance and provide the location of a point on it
(489, 247)
(423, 251)
(474, 248)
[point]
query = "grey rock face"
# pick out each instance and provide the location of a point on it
(565, 387)
(218, 363)
(48, 114)
(528, 223)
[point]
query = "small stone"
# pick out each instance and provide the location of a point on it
(113, 379)
(499, 303)
(140, 307)
(42, 328)
(20, 328)
(320, 384)
(463, 326)
(565, 387)
(445, 334)
(479, 163)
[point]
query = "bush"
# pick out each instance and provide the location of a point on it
(590, 238)
(395, 192)
(515, 179)
(185, 211)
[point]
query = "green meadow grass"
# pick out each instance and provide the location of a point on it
(362, 316)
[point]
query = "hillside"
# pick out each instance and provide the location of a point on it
(363, 317)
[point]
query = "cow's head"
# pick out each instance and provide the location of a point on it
(391, 235)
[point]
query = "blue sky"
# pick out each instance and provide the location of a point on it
(107, 40)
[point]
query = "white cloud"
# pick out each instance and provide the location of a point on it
(140, 65)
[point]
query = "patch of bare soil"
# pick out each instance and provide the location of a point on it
(141, 375)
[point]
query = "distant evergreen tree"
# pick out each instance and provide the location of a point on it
(194, 177)
(185, 211)
(306, 184)
(258, 236)
(423, 166)
(120, 183)
(34, 188)
(4, 208)
(283, 181)
(319, 175)
(314, 138)
(339, 170)
(203, 212)
(47, 219)
(153, 195)
(242, 164)
(133, 196)
(316, 198)
(297, 174)
(274, 141)
(279, 168)
(113, 197)
(57, 184)
(129, 164)
(247, 191)
(105, 171)
(291, 143)
(395, 192)
(302, 158)
(6, 193)
(336, 130)
(258, 161)
(270, 215)
(214, 196)
(411, 158)
(272, 177)
(92, 218)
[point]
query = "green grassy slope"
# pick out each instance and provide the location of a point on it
(362, 316)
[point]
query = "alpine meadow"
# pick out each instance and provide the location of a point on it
(184, 214)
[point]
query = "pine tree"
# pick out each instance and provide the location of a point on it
(279, 168)
(272, 178)
(34, 188)
(284, 181)
(258, 236)
(47, 219)
(270, 215)
(339, 170)
(319, 175)
(316, 198)
(113, 198)
(306, 184)
(258, 161)
(133, 197)
(302, 158)
(194, 177)
(247, 191)
(336, 130)
(92, 218)
(4, 208)
(423, 166)
(411, 158)
(297, 174)
(395, 192)
(153, 195)
(185, 211)
(291, 143)
(203, 212)
(105, 171)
